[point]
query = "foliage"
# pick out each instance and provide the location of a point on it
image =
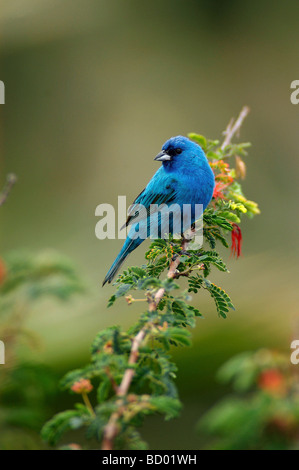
(263, 411)
(27, 389)
(132, 371)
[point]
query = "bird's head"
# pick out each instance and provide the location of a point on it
(179, 150)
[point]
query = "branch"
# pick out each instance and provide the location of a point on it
(111, 378)
(10, 181)
(234, 127)
(111, 429)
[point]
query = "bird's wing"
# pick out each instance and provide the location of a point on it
(164, 195)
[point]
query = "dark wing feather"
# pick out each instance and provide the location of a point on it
(146, 198)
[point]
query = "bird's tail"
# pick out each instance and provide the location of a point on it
(129, 246)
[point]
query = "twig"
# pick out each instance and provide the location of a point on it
(233, 128)
(111, 429)
(171, 275)
(111, 378)
(129, 373)
(183, 273)
(10, 181)
(88, 404)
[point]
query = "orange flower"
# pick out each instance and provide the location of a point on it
(220, 165)
(218, 190)
(272, 381)
(108, 347)
(81, 386)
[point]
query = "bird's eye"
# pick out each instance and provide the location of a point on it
(178, 151)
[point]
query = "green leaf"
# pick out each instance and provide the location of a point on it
(221, 298)
(179, 336)
(199, 139)
(122, 290)
(103, 390)
(62, 422)
(171, 407)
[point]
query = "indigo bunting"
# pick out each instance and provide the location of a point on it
(185, 177)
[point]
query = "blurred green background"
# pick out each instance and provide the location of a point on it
(93, 89)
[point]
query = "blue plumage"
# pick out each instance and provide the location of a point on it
(185, 177)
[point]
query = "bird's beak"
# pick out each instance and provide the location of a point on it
(162, 156)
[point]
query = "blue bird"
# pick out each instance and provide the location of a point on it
(185, 177)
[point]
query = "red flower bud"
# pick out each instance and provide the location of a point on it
(272, 381)
(82, 385)
(236, 241)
